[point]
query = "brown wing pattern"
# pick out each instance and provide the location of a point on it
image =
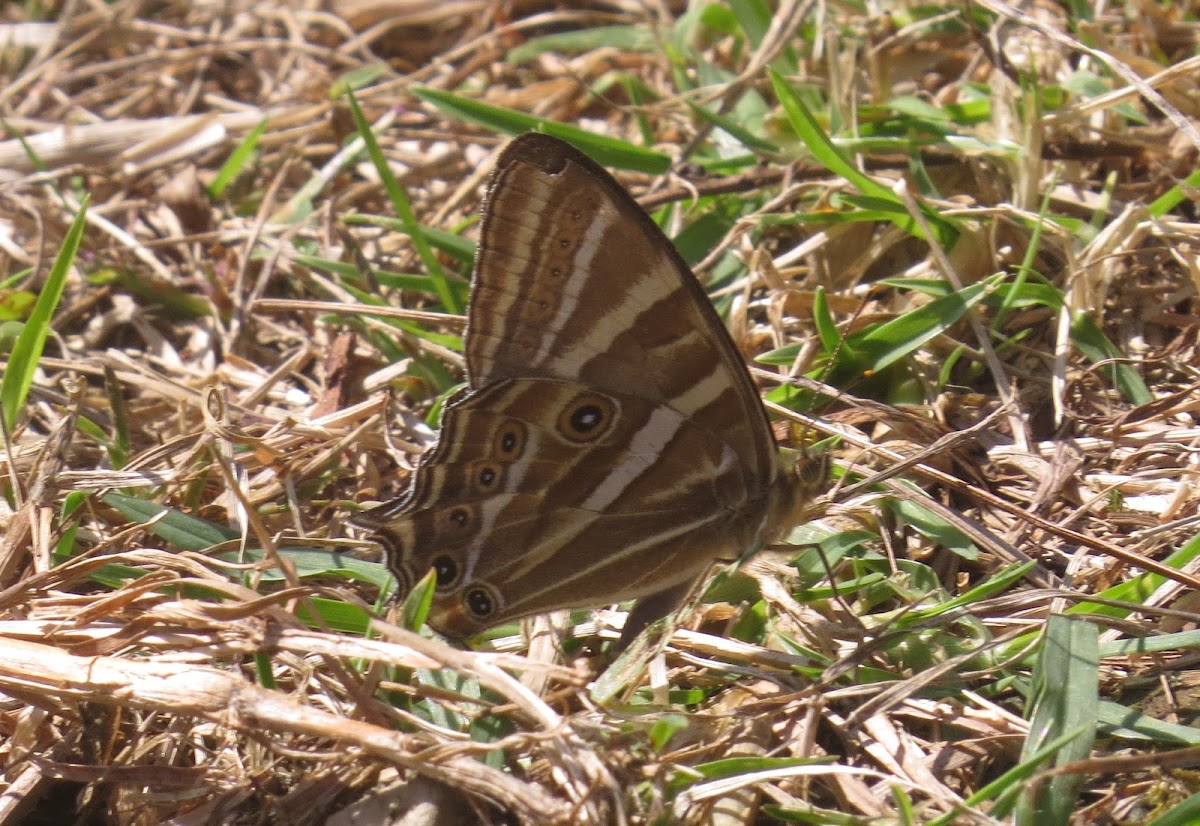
(612, 444)
(542, 514)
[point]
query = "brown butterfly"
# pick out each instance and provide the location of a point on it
(610, 444)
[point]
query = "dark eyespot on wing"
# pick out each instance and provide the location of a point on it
(448, 572)
(487, 476)
(587, 417)
(481, 601)
(510, 441)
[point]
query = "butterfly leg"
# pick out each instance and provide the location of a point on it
(650, 608)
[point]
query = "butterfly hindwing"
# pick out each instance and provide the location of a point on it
(517, 498)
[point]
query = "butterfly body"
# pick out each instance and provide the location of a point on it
(611, 444)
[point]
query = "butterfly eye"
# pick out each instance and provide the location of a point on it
(587, 417)
(446, 570)
(510, 441)
(481, 602)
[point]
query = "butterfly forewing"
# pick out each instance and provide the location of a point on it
(573, 280)
(611, 444)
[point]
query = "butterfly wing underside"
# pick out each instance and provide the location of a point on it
(611, 444)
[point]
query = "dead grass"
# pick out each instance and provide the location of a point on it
(214, 354)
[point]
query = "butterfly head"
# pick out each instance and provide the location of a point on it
(795, 499)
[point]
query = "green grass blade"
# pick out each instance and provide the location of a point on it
(1004, 789)
(1174, 196)
(904, 335)
(822, 149)
(27, 350)
(755, 18)
(65, 547)
(1010, 294)
(1186, 813)
(357, 79)
(451, 243)
(1120, 721)
(237, 160)
(731, 127)
(829, 156)
(1092, 342)
(417, 602)
(308, 562)
(179, 529)
(399, 198)
(825, 323)
(1066, 695)
(625, 38)
(1133, 592)
(606, 151)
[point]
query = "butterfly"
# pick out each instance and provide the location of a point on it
(609, 444)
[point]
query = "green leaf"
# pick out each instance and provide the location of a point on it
(893, 340)
(829, 156)
(241, 155)
(664, 729)
(179, 529)
(826, 324)
(27, 350)
(417, 602)
(65, 548)
(933, 527)
(1065, 697)
(1186, 813)
(606, 151)
(10, 331)
(623, 38)
(311, 562)
(403, 208)
(337, 615)
(15, 304)
(1092, 342)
